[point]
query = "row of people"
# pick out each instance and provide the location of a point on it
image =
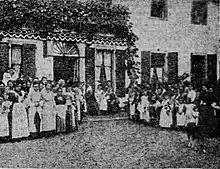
(29, 113)
(181, 107)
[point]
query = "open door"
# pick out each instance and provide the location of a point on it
(65, 68)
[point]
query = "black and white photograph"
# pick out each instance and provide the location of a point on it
(110, 84)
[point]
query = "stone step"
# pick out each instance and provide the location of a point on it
(101, 118)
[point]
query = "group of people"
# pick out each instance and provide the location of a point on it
(177, 106)
(34, 108)
(38, 107)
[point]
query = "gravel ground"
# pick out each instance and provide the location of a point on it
(110, 144)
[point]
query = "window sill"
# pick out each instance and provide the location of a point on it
(158, 18)
(199, 25)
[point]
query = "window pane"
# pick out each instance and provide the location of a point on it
(16, 55)
(159, 9)
(97, 73)
(107, 58)
(108, 73)
(98, 58)
(199, 13)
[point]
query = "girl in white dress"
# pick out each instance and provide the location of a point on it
(103, 102)
(143, 108)
(166, 112)
(181, 114)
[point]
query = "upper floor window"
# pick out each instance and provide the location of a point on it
(199, 12)
(159, 9)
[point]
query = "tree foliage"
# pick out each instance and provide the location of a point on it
(89, 17)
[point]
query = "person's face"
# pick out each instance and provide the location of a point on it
(24, 85)
(44, 81)
(7, 89)
(28, 84)
(10, 84)
(190, 87)
(60, 91)
(52, 83)
(11, 71)
(176, 86)
(36, 87)
(159, 90)
(48, 87)
(166, 97)
(2, 86)
(204, 88)
(69, 89)
(41, 85)
(211, 89)
(18, 87)
(169, 86)
(186, 89)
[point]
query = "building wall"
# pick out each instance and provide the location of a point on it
(176, 34)
(44, 66)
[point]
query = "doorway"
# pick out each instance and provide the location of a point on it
(65, 68)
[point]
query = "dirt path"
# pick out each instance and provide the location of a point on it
(110, 144)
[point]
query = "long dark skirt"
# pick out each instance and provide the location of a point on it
(208, 123)
(71, 120)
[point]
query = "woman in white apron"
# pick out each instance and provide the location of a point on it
(4, 110)
(49, 110)
(19, 115)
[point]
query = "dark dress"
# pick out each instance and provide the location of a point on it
(113, 104)
(207, 121)
(61, 113)
(12, 98)
(92, 106)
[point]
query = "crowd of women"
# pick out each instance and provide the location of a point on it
(32, 108)
(40, 107)
(177, 106)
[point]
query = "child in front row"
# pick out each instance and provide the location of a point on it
(191, 123)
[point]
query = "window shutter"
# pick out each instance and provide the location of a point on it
(120, 73)
(45, 48)
(145, 67)
(4, 58)
(90, 67)
(29, 60)
(212, 68)
(172, 67)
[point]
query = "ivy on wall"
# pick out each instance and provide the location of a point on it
(86, 17)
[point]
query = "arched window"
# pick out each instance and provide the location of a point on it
(66, 60)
